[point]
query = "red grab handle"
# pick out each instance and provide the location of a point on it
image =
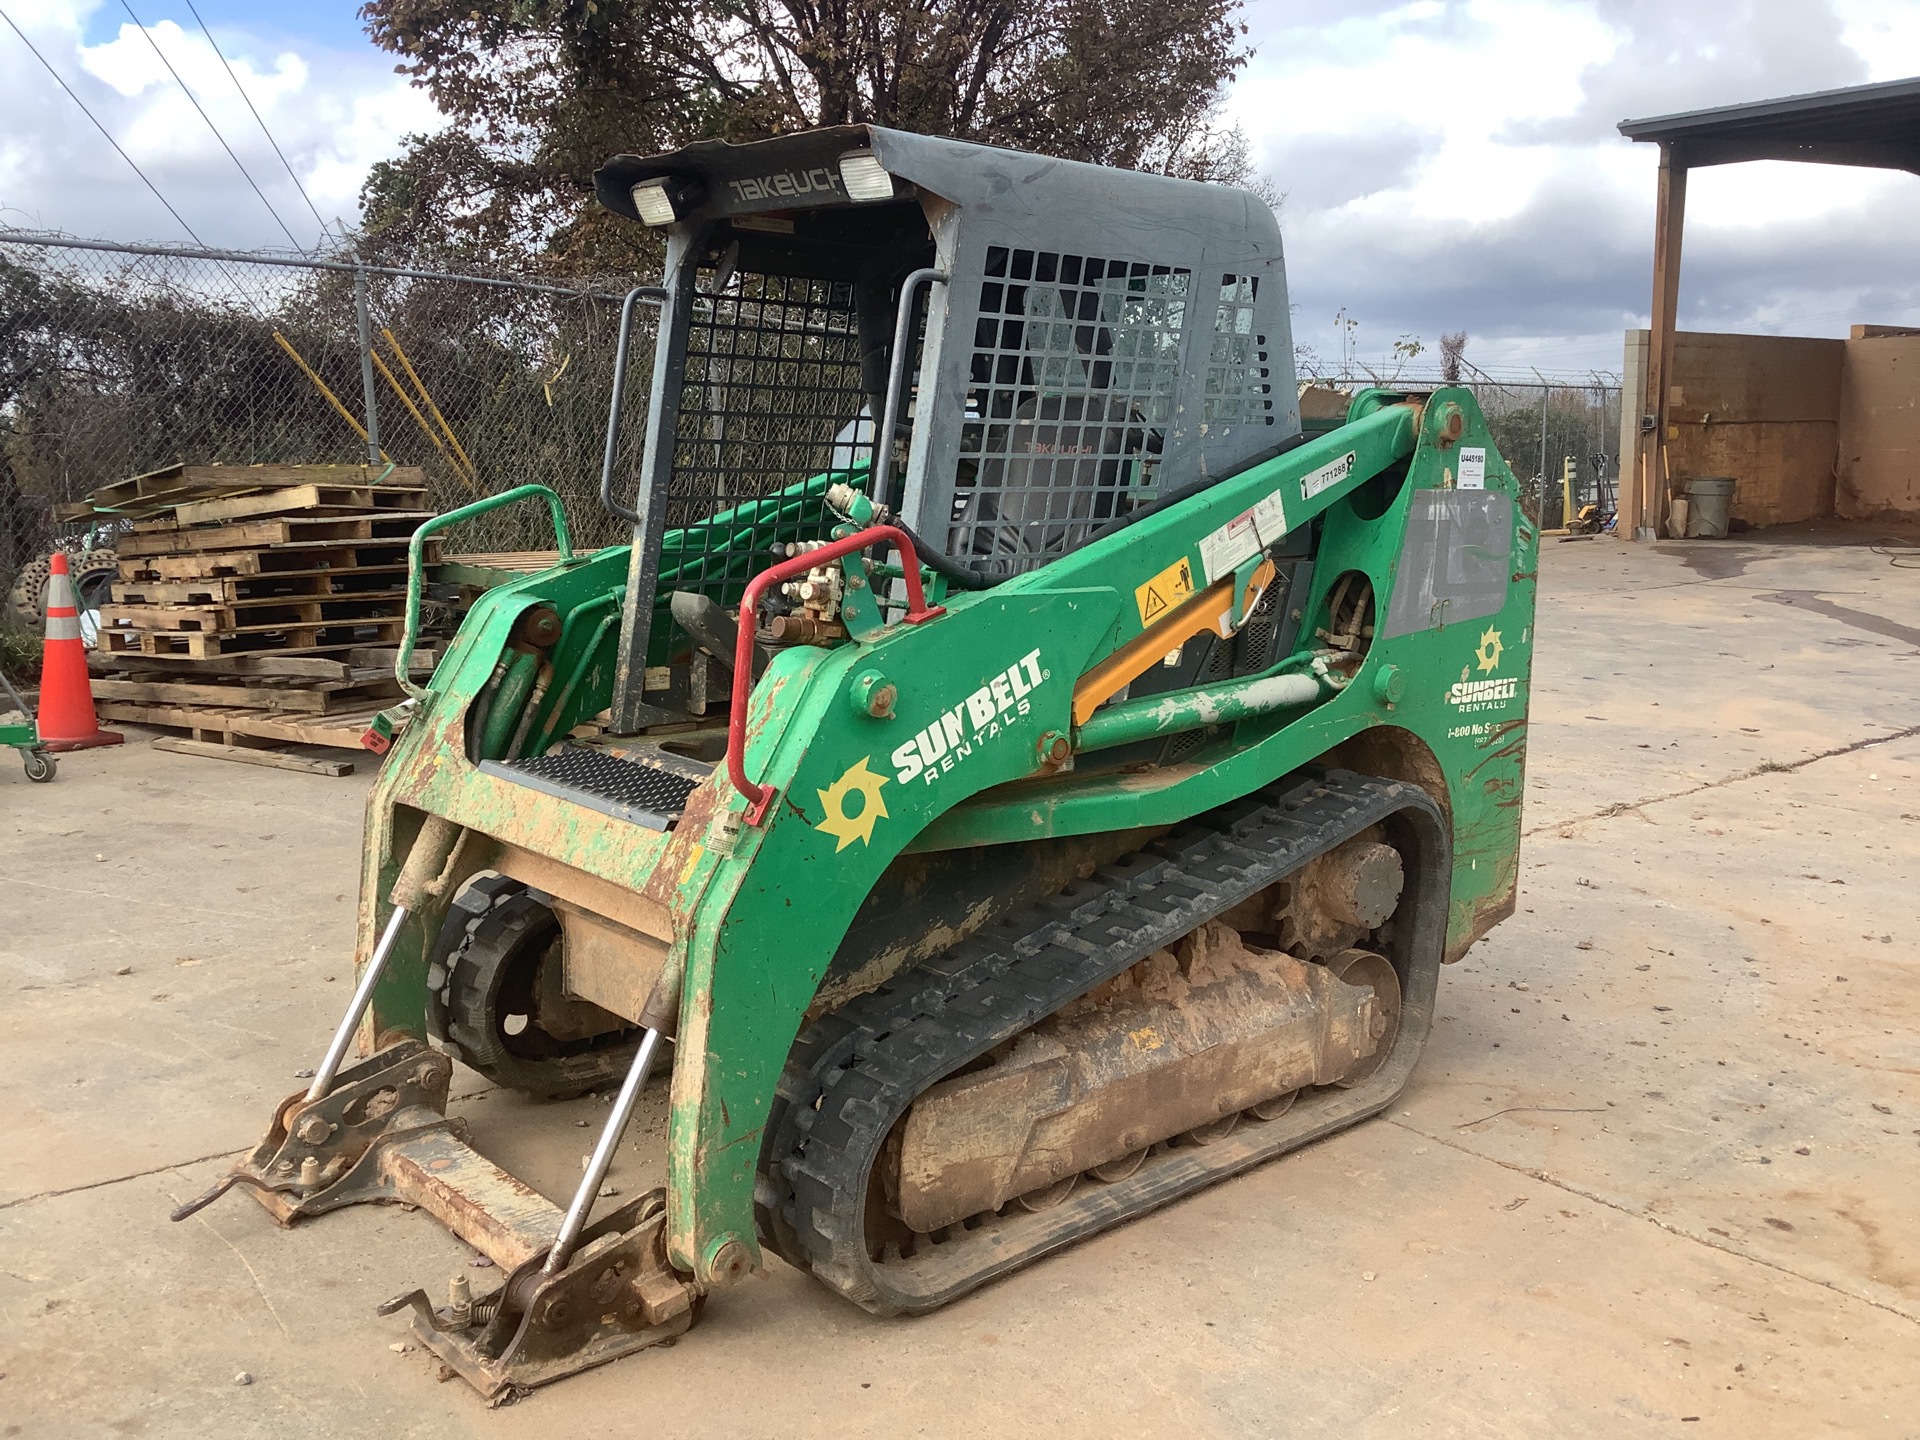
(760, 797)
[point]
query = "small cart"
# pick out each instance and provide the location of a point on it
(24, 735)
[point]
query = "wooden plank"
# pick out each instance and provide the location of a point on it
(425, 658)
(520, 562)
(274, 759)
(254, 534)
(1644, 489)
(300, 497)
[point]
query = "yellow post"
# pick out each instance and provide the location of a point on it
(432, 409)
(418, 418)
(321, 385)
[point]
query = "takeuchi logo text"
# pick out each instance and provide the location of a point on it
(997, 705)
(785, 185)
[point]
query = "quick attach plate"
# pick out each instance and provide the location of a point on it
(619, 1294)
(322, 1155)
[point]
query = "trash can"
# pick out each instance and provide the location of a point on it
(1710, 497)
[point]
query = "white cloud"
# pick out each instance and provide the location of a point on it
(1453, 164)
(333, 113)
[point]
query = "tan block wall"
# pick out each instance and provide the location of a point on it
(1764, 409)
(1879, 461)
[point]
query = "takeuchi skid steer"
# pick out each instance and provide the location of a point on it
(1016, 776)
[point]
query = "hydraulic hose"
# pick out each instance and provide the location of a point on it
(956, 573)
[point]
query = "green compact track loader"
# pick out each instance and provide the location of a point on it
(1013, 778)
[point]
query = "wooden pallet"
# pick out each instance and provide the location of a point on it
(341, 729)
(172, 484)
(263, 589)
(272, 612)
(280, 695)
(167, 539)
(294, 639)
(296, 499)
(298, 557)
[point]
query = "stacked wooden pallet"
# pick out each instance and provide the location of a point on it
(311, 558)
(258, 604)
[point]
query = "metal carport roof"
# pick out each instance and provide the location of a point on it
(1873, 125)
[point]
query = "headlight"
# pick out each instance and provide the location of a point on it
(656, 201)
(866, 178)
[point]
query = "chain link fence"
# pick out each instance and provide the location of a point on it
(1561, 440)
(1560, 436)
(117, 360)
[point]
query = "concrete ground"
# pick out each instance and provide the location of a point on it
(1659, 1172)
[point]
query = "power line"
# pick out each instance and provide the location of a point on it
(262, 123)
(141, 27)
(102, 129)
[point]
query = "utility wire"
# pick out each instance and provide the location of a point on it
(103, 130)
(141, 27)
(263, 124)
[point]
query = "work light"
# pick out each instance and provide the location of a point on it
(656, 201)
(866, 178)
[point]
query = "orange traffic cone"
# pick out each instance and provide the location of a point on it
(67, 721)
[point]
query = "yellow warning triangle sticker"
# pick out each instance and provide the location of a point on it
(1164, 591)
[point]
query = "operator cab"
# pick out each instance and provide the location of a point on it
(1091, 339)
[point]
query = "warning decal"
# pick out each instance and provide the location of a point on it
(1243, 537)
(1164, 591)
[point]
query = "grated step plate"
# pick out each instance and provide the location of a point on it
(630, 790)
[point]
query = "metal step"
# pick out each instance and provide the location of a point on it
(650, 791)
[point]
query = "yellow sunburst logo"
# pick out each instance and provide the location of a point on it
(1490, 651)
(847, 828)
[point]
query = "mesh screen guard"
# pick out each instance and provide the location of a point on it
(771, 395)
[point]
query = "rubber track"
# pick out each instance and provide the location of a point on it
(855, 1072)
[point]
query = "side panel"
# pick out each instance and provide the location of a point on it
(981, 690)
(1451, 690)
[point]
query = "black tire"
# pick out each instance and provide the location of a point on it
(480, 979)
(93, 572)
(40, 766)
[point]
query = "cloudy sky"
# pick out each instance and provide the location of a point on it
(1447, 164)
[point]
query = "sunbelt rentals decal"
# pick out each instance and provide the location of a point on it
(997, 705)
(1470, 693)
(853, 804)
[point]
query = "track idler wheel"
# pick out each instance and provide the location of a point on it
(1364, 968)
(483, 997)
